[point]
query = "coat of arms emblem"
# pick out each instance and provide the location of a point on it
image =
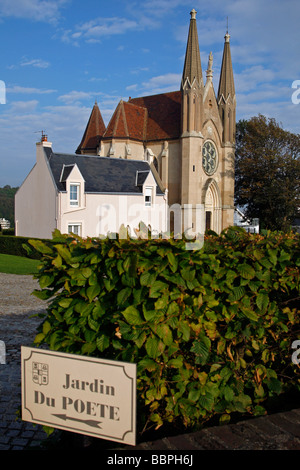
(40, 373)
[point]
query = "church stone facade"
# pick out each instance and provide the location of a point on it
(187, 136)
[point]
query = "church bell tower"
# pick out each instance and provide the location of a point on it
(192, 115)
(207, 140)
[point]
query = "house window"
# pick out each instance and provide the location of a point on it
(74, 194)
(74, 228)
(148, 197)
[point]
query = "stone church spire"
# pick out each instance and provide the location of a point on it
(226, 84)
(192, 65)
(192, 117)
(226, 94)
(192, 87)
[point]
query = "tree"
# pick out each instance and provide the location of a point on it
(7, 201)
(267, 172)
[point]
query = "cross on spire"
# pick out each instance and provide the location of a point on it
(193, 14)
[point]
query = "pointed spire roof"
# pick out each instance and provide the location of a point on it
(192, 65)
(226, 84)
(128, 121)
(94, 131)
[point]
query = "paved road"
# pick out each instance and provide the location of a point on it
(280, 431)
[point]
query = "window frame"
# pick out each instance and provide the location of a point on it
(74, 202)
(75, 224)
(150, 189)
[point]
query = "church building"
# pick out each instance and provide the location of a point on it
(187, 137)
(166, 160)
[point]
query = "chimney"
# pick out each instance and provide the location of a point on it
(43, 143)
(44, 137)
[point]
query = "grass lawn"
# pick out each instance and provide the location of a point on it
(10, 264)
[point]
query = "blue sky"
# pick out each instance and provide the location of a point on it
(59, 56)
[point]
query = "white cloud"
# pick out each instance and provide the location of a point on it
(75, 96)
(95, 29)
(132, 87)
(139, 69)
(152, 13)
(108, 26)
(147, 15)
(97, 79)
(107, 102)
(285, 112)
(37, 10)
(162, 83)
(250, 78)
(93, 41)
(161, 7)
(39, 63)
(23, 106)
(158, 84)
(28, 90)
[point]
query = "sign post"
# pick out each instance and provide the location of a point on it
(91, 396)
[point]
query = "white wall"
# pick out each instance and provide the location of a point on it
(35, 201)
(103, 213)
(39, 208)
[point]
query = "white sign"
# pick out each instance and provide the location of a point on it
(91, 396)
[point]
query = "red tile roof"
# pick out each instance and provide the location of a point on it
(148, 118)
(164, 115)
(94, 131)
(128, 121)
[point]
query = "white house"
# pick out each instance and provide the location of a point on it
(88, 195)
(240, 220)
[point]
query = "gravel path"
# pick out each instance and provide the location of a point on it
(17, 307)
(15, 294)
(17, 327)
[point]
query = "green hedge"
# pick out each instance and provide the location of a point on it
(7, 231)
(211, 330)
(18, 246)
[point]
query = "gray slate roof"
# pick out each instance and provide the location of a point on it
(101, 174)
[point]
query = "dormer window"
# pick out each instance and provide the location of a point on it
(74, 194)
(148, 197)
